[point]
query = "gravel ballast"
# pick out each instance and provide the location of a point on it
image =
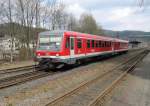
(43, 90)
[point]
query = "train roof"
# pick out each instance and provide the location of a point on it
(52, 32)
(61, 32)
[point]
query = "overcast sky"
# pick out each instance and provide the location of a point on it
(114, 14)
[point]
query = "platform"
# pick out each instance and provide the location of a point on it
(134, 90)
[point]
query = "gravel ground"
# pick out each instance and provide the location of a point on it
(88, 93)
(134, 90)
(41, 91)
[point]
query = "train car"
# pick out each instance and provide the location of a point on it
(58, 48)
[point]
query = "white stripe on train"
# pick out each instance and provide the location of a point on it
(81, 55)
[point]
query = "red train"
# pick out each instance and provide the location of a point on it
(57, 48)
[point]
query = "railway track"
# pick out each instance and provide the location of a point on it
(22, 78)
(20, 75)
(90, 93)
(99, 100)
(18, 69)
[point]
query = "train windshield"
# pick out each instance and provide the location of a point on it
(49, 42)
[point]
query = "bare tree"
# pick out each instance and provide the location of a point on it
(72, 23)
(56, 15)
(11, 28)
(28, 13)
(141, 3)
(8, 16)
(31, 15)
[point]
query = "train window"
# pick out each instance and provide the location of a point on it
(119, 44)
(72, 43)
(79, 43)
(88, 43)
(92, 43)
(100, 45)
(105, 44)
(122, 45)
(67, 42)
(97, 44)
(110, 44)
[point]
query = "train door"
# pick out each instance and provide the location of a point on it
(112, 43)
(113, 46)
(72, 47)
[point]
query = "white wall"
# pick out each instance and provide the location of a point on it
(5, 44)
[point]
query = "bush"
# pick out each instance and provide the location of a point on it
(25, 54)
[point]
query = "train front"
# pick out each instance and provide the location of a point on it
(48, 49)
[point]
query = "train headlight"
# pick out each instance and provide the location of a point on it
(39, 54)
(57, 54)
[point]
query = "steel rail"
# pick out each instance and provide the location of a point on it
(22, 78)
(102, 95)
(18, 69)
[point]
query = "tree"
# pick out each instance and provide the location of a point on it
(26, 18)
(141, 3)
(87, 24)
(8, 15)
(72, 23)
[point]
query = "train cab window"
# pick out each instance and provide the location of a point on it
(79, 43)
(88, 43)
(67, 42)
(93, 43)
